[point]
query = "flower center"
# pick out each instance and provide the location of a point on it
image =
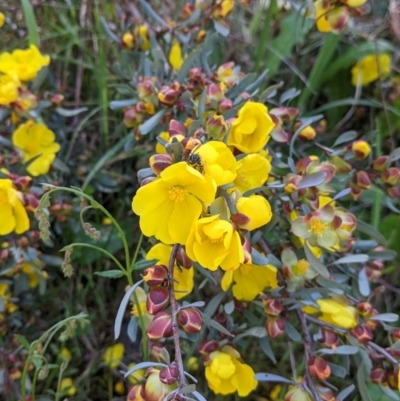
(31, 149)
(245, 269)
(301, 267)
(177, 194)
(3, 198)
(218, 240)
(317, 227)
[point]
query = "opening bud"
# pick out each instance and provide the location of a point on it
(190, 319)
(362, 333)
(160, 327)
(216, 127)
(319, 368)
(157, 300)
(362, 180)
(361, 149)
(176, 128)
(364, 309)
(155, 389)
(275, 327)
(155, 275)
(160, 162)
(208, 346)
(169, 374)
(298, 394)
(380, 163)
(136, 393)
(272, 307)
(329, 339)
(183, 259)
(391, 176)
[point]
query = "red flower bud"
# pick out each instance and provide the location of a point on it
(176, 128)
(364, 308)
(329, 339)
(379, 376)
(155, 389)
(183, 259)
(160, 162)
(132, 118)
(158, 353)
(272, 307)
(169, 374)
(160, 327)
(362, 333)
(157, 300)
(214, 92)
(147, 180)
(285, 113)
(190, 319)
(275, 327)
(208, 346)
(391, 176)
(136, 393)
(319, 368)
(225, 105)
(57, 99)
(380, 163)
(168, 95)
(362, 180)
(155, 275)
(393, 192)
(21, 183)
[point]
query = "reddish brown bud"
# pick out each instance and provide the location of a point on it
(190, 319)
(225, 105)
(155, 389)
(160, 327)
(21, 183)
(214, 92)
(160, 162)
(169, 374)
(393, 380)
(157, 300)
(380, 163)
(275, 327)
(159, 353)
(325, 393)
(187, 11)
(285, 113)
(362, 333)
(132, 118)
(364, 308)
(208, 346)
(393, 192)
(319, 368)
(391, 176)
(272, 307)
(57, 99)
(136, 393)
(240, 219)
(176, 128)
(183, 259)
(31, 201)
(155, 275)
(216, 127)
(362, 180)
(145, 89)
(147, 180)
(168, 95)
(329, 339)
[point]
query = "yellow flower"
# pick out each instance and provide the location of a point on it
(257, 209)
(9, 85)
(226, 374)
(66, 353)
(2, 19)
(12, 211)
(32, 273)
(192, 364)
(218, 162)
(252, 172)
(128, 40)
(166, 136)
(183, 284)
(113, 355)
(223, 9)
(275, 392)
(67, 382)
(371, 68)
(250, 280)
(23, 63)
(213, 242)
(119, 387)
(361, 149)
(175, 55)
(334, 312)
(142, 32)
(250, 132)
(141, 298)
(5, 295)
(169, 206)
(36, 140)
(322, 10)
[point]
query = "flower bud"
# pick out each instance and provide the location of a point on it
(393, 380)
(225, 105)
(379, 376)
(168, 96)
(362, 180)
(31, 201)
(216, 127)
(57, 99)
(364, 308)
(128, 40)
(214, 92)
(329, 339)
(325, 393)
(380, 163)
(26, 101)
(190, 319)
(275, 327)
(147, 180)
(155, 275)
(158, 353)
(308, 133)
(338, 19)
(157, 300)
(342, 167)
(187, 11)
(169, 374)
(298, 394)
(201, 35)
(395, 333)
(319, 368)
(183, 259)
(160, 327)
(393, 192)
(361, 149)
(285, 113)
(391, 176)
(222, 9)
(279, 135)
(132, 118)
(136, 393)
(155, 389)
(160, 162)
(21, 183)
(272, 307)
(145, 89)
(362, 333)
(353, 3)
(356, 191)
(176, 128)
(208, 346)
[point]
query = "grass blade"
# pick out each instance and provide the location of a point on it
(30, 21)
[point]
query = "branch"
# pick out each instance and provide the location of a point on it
(307, 352)
(386, 354)
(174, 310)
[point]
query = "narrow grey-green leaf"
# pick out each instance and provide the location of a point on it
(345, 392)
(212, 323)
(357, 258)
(70, 113)
(267, 349)
(345, 137)
(313, 180)
(122, 309)
(152, 122)
(144, 365)
(371, 232)
(111, 274)
(258, 332)
(341, 350)
(386, 317)
(314, 262)
(363, 283)
(269, 377)
(121, 104)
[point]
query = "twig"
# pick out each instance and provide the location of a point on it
(174, 309)
(324, 324)
(264, 246)
(384, 353)
(292, 361)
(388, 286)
(307, 352)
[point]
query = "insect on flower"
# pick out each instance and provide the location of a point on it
(194, 160)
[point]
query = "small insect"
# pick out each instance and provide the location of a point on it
(194, 160)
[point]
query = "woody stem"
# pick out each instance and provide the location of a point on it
(174, 310)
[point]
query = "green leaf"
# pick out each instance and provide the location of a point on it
(212, 323)
(371, 232)
(361, 379)
(269, 377)
(291, 332)
(108, 31)
(314, 262)
(30, 21)
(358, 258)
(121, 104)
(111, 274)
(341, 350)
(143, 264)
(257, 331)
(345, 392)
(23, 341)
(267, 349)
